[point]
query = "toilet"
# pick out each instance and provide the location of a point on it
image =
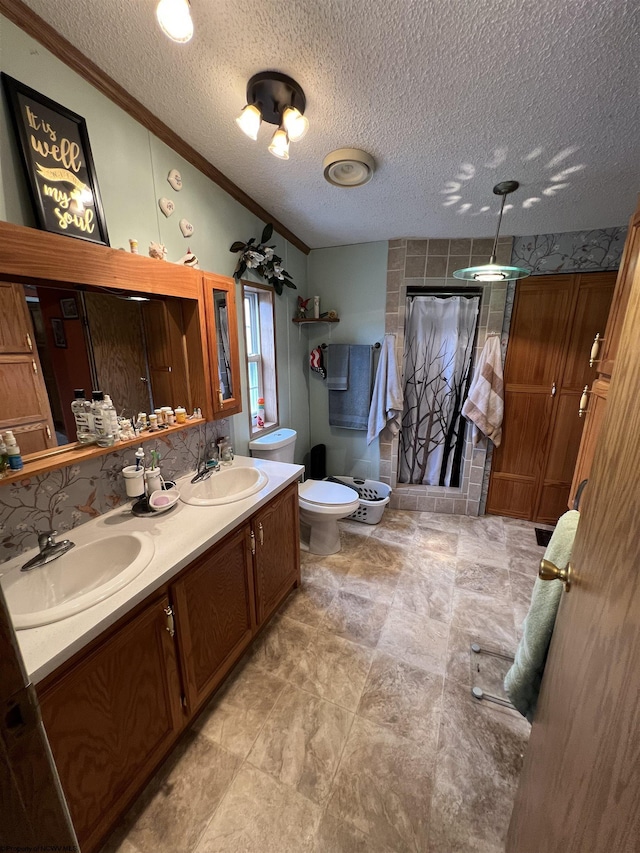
(322, 503)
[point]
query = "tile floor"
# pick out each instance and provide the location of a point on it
(349, 726)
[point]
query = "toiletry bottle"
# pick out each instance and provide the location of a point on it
(13, 452)
(101, 420)
(81, 409)
(4, 459)
(260, 417)
(115, 425)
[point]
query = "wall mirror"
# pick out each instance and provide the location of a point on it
(222, 324)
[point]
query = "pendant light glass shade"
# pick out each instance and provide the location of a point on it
(174, 17)
(493, 271)
(294, 123)
(249, 121)
(279, 146)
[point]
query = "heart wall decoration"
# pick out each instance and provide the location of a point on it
(186, 227)
(166, 206)
(175, 180)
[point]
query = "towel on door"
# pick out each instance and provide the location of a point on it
(522, 681)
(387, 400)
(350, 409)
(484, 406)
(338, 367)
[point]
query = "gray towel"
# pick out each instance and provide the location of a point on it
(522, 681)
(350, 409)
(338, 367)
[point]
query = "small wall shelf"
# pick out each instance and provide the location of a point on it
(303, 321)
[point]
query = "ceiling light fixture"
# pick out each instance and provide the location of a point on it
(276, 99)
(348, 167)
(174, 17)
(493, 271)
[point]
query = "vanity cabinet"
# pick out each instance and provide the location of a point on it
(215, 615)
(219, 296)
(113, 712)
(112, 716)
(277, 551)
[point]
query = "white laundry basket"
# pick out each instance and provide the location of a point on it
(374, 496)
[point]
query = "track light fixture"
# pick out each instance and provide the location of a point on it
(493, 271)
(174, 17)
(276, 99)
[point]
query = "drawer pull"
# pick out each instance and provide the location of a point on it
(35, 366)
(261, 533)
(171, 623)
(253, 542)
(29, 344)
(584, 401)
(48, 431)
(595, 349)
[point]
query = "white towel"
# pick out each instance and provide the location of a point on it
(387, 399)
(484, 406)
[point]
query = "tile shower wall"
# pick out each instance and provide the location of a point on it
(68, 497)
(431, 263)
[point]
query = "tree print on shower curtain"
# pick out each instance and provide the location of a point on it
(439, 339)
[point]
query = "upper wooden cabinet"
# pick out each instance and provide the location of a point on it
(219, 296)
(85, 343)
(606, 356)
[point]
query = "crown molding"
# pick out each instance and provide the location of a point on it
(25, 18)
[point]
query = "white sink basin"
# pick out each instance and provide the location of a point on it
(79, 579)
(224, 486)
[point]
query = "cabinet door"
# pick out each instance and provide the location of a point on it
(214, 615)
(16, 334)
(277, 559)
(111, 718)
(222, 331)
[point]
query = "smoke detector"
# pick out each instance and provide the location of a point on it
(348, 167)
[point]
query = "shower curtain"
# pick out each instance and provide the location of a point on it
(439, 336)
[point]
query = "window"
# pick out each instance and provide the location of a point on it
(259, 328)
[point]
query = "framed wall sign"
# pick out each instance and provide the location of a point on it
(69, 308)
(59, 337)
(56, 154)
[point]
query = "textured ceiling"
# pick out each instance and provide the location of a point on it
(449, 96)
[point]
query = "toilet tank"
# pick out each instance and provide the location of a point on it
(278, 446)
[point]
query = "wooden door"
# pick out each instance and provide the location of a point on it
(592, 302)
(111, 718)
(164, 335)
(23, 394)
(541, 315)
(277, 559)
(214, 615)
(34, 812)
(580, 786)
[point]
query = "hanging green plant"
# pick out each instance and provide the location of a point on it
(263, 260)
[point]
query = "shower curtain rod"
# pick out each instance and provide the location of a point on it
(373, 346)
(466, 292)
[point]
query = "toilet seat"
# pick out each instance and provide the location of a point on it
(325, 498)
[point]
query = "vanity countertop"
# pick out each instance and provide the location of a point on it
(179, 536)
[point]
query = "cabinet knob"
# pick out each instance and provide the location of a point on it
(584, 400)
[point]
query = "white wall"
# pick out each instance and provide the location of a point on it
(352, 281)
(132, 167)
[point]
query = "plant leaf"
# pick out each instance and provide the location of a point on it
(290, 284)
(251, 242)
(267, 232)
(237, 246)
(277, 285)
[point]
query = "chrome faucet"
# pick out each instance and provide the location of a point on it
(49, 550)
(210, 464)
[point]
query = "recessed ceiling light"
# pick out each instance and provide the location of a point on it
(348, 167)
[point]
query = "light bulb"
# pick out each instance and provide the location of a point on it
(249, 121)
(279, 146)
(490, 275)
(174, 17)
(295, 123)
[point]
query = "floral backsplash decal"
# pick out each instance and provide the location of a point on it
(571, 251)
(63, 499)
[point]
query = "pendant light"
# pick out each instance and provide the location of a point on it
(174, 17)
(493, 271)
